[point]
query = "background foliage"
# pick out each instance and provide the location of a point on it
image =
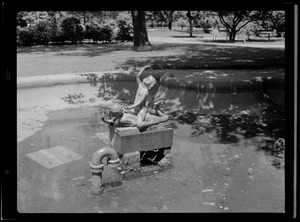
(72, 27)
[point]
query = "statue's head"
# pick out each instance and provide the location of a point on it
(115, 109)
(115, 112)
(149, 82)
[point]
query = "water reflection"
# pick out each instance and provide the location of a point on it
(230, 117)
(244, 113)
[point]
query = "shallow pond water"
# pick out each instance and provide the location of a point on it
(223, 158)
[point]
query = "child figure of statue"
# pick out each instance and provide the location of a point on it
(117, 116)
(142, 100)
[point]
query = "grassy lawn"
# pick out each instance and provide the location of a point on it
(59, 59)
(201, 36)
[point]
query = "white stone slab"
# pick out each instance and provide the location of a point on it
(54, 156)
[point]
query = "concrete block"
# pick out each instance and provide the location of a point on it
(130, 139)
(167, 151)
(130, 161)
(131, 158)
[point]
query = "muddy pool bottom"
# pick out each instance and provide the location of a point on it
(224, 159)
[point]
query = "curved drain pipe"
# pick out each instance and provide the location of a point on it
(97, 167)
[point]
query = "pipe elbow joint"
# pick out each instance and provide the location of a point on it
(96, 162)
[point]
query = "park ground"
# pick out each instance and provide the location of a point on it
(229, 172)
(170, 49)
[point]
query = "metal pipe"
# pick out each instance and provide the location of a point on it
(97, 167)
(104, 152)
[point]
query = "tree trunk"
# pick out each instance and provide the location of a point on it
(232, 35)
(169, 17)
(140, 35)
(170, 25)
(190, 17)
(191, 28)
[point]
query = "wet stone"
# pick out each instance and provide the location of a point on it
(250, 171)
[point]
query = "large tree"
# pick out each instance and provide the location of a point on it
(206, 20)
(234, 21)
(140, 35)
(272, 20)
(191, 15)
(156, 16)
(180, 18)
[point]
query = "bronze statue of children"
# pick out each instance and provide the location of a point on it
(117, 116)
(142, 98)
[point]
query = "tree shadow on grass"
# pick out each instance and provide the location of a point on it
(50, 48)
(212, 57)
(220, 41)
(181, 56)
(265, 40)
(76, 49)
(184, 37)
(91, 49)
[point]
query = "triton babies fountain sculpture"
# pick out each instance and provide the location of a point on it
(133, 131)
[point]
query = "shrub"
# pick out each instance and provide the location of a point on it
(206, 26)
(252, 29)
(56, 34)
(25, 36)
(106, 33)
(42, 33)
(125, 31)
(72, 30)
(92, 32)
(112, 24)
(98, 32)
(39, 34)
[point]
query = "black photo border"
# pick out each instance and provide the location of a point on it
(9, 80)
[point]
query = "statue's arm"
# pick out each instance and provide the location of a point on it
(138, 76)
(139, 102)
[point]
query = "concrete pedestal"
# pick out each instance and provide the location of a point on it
(130, 139)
